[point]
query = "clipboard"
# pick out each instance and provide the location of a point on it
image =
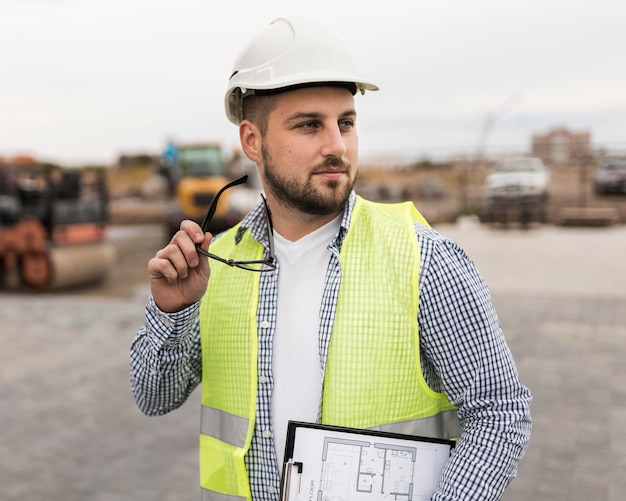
(333, 463)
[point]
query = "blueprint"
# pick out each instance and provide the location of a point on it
(351, 467)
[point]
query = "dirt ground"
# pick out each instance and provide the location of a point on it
(135, 245)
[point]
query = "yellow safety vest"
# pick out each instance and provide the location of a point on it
(373, 377)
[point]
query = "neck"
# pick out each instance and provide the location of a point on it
(293, 225)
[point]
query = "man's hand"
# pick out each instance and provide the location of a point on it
(178, 273)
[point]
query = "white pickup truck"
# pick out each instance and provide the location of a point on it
(517, 187)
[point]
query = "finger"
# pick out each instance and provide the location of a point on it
(175, 256)
(161, 268)
(192, 229)
(186, 244)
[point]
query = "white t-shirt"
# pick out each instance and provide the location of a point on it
(296, 357)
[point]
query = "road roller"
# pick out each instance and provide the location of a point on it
(53, 223)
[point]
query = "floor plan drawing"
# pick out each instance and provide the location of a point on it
(358, 470)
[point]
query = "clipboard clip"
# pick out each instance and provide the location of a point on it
(287, 469)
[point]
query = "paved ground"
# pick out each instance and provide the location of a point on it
(561, 299)
(70, 430)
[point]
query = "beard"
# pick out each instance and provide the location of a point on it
(306, 197)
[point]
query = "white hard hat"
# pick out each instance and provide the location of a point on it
(290, 52)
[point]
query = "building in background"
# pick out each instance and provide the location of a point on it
(560, 146)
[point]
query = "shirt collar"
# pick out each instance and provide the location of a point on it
(255, 221)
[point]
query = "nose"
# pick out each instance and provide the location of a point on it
(334, 143)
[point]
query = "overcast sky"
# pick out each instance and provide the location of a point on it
(88, 80)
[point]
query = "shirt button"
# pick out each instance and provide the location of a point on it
(265, 324)
(267, 433)
(271, 489)
(262, 379)
(153, 372)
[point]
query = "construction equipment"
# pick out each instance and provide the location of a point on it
(195, 173)
(53, 226)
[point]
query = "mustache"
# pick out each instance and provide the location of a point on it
(332, 163)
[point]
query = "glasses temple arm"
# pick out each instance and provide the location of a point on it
(213, 207)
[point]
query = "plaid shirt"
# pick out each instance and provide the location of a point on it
(462, 349)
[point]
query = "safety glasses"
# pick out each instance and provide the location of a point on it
(263, 265)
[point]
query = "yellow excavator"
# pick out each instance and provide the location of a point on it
(195, 173)
(53, 223)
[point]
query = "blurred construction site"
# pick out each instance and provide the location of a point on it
(442, 190)
(54, 220)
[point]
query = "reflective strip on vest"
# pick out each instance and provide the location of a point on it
(209, 495)
(446, 424)
(224, 426)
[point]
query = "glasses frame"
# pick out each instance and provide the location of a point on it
(262, 265)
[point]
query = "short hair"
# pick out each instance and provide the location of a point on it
(257, 109)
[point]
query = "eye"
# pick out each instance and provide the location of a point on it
(346, 123)
(310, 125)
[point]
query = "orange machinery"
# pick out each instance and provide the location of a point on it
(53, 226)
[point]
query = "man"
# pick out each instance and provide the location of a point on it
(358, 314)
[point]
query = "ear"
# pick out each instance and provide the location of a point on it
(250, 139)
